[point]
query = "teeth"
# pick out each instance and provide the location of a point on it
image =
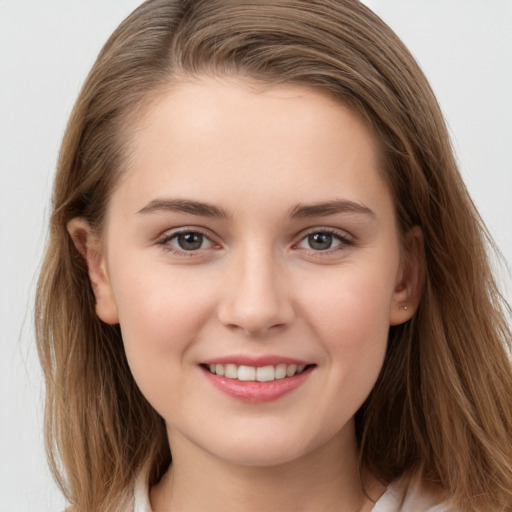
(245, 372)
(265, 373)
(291, 370)
(231, 371)
(280, 371)
(260, 373)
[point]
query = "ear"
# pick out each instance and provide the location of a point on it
(89, 246)
(410, 278)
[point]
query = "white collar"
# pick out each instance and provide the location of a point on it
(402, 495)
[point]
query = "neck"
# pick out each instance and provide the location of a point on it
(326, 479)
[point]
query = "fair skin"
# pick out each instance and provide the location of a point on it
(253, 228)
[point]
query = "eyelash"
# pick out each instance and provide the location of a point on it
(164, 242)
(345, 241)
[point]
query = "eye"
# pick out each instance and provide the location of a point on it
(323, 240)
(186, 241)
(190, 241)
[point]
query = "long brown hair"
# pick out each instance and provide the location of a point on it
(442, 406)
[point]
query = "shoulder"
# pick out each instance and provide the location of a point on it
(409, 494)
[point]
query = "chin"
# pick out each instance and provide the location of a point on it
(268, 447)
(254, 455)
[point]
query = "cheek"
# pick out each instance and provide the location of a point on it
(350, 317)
(159, 304)
(160, 318)
(160, 315)
(355, 298)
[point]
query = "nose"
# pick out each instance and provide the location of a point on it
(255, 298)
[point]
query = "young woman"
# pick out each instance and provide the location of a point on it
(266, 287)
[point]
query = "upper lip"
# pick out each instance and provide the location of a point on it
(256, 361)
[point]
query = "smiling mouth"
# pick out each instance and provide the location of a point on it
(256, 373)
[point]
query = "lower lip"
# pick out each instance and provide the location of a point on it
(254, 391)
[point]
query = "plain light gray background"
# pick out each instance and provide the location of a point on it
(46, 50)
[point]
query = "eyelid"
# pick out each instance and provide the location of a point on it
(165, 237)
(346, 240)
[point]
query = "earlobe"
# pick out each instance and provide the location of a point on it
(89, 246)
(410, 280)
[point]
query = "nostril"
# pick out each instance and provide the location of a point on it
(254, 298)
(254, 322)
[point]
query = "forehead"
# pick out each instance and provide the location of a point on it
(221, 137)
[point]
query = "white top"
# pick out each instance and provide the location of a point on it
(400, 496)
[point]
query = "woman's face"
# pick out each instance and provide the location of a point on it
(253, 236)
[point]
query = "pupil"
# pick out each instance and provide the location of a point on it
(190, 241)
(320, 241)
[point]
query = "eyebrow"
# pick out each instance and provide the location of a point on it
(184, 206)
(203, 209)
(330, 208)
